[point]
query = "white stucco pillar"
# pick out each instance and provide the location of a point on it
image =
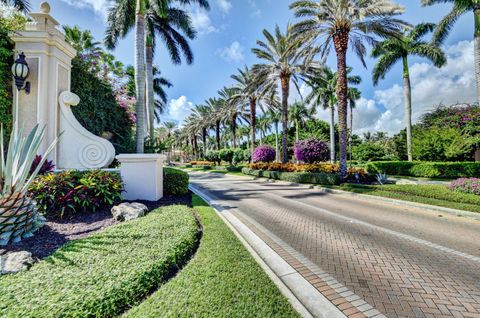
(49, 58)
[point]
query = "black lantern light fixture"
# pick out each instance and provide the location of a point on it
(20, 71)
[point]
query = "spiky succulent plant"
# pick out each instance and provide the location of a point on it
(18, 215)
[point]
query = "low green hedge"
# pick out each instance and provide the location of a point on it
(296, 177)
(426, 169)
(105, 274)
(229, 168)
(175, 181)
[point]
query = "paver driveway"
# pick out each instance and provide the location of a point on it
(375, 259)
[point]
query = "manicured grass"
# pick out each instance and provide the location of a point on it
(222, 280)
(438, 195)
(105, 274)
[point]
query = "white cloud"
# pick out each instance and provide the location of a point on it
(232, 53)
(201, 21)
(180, 108)
(224, 5)
(453, 83)
(100, 7)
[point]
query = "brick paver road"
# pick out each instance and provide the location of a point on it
(403, 262)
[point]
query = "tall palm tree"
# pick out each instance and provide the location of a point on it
(81, 40)
(202, 113)
(340, 23)
(324, 93)
(460, 7)
(285, 57)
(234, 110)
(300, 113)
(275, 117)
(215, 117)
(399, 48)
(249, 90)
(264, 124)
(354, 95)
(21, 5)
(162, 19)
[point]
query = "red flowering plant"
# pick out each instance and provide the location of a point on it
(264, 154)
(311, 151)
(466, 185)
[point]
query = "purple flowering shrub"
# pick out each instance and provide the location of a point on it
(466, 185)
(311, 151)
(264, 154)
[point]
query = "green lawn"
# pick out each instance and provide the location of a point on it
(438, 195)
(106, 273)
(222, 280)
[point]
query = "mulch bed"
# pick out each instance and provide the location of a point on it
(56, 233)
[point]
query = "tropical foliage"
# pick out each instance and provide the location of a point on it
(311, 151)
(263, 154)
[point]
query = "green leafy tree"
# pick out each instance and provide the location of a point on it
(399, 48)
(441, 144)
(21, 5)
(340, 23)
(299, 114)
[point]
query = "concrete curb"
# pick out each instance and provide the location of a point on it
(433, 208)
(304, 297)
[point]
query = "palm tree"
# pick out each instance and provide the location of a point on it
(249, 90)
(275, 117)
(354, 95)
(300, 113)
(215, 117)
(460, 7)
(21, 5)
(399, 48)
(264, 123)
(81, 40)
(233, 110)
(340, 23)
(286, 57)
(202, 113)
(163, 20)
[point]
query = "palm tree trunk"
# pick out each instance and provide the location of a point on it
(277, 151)
(407, 96)
(217, 132)
(332, 133)
(204, 140)
(234, 131)
(341, 46)
(350, 137)
(477, 52)
(253, 122)
(297, 130)
(140, 75)
(285, 81)
(149, 85)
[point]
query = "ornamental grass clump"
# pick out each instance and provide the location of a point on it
(311, 151)
(264, 154)
(466, 185)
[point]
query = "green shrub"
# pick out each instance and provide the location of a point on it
(238, 156)
(227, 155)
(213, 156)
(229, 168)
(296, 177)
(175, 182)
(247, 155)
(70, 192)
(368, 151)
(426, 169)
(106, 273)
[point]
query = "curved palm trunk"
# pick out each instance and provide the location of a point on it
(253, 122)
(332, 133)
(149, 86)
(285, 81)
(341, 45)
(217, 132)
(277, 151)
(407, 96)
(140, 75)
(477, 52)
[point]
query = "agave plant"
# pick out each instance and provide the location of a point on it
(18, 214)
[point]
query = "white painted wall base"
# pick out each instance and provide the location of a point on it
(142, 175)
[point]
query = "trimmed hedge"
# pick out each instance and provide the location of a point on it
(426, 169)
(175, 181)
(296, 177)
(106, 273)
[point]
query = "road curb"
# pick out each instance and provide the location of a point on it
(305, 299)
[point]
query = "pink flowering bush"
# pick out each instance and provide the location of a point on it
(264, 154)
(127, 103)
(466, 185)
(311, 151)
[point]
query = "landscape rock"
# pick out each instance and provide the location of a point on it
(15, 262)
(129, 211)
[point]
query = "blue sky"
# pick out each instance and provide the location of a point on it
(229, 31)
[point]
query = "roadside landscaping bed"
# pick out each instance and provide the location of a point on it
(106, 273)
(437, 195)
(222, 280)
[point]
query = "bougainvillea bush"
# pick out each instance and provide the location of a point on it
(264, 154)
(466, 185)
(311, 151)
